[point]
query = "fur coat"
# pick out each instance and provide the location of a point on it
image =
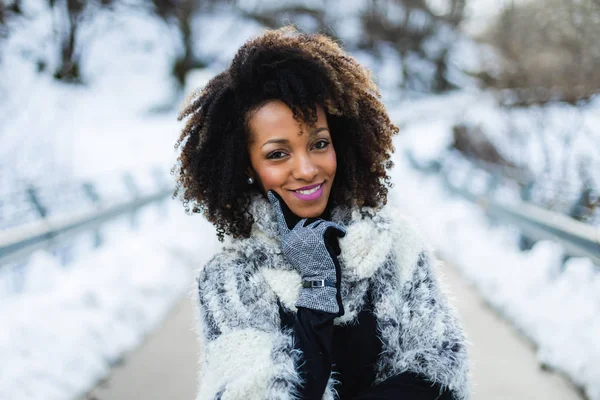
(246, 355)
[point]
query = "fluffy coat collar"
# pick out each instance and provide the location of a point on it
(364, 247)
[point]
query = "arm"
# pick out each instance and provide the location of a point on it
(313, 330)
(312, 247)
(406, 386)
(432, 341)
(244, 353)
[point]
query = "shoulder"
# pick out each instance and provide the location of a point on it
(376, 235)
(409, 240)
(231, 293)
(409, 247)
(243, 254)
(223, 259)
(238, 268)
(386, 220)
(227, 264)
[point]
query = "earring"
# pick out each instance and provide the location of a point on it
(250, 181)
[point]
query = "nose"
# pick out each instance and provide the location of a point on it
(304, 168)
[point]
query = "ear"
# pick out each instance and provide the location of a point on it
(250, 172)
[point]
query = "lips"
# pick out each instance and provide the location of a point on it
(308, 187)
(311, 194)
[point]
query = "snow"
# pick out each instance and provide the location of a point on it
(52, 133)
(557, 308)
(71, 313)
(557, 144)
(66, 326)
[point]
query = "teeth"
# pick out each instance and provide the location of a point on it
(310, 191)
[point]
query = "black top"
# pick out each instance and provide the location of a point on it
(351, 350)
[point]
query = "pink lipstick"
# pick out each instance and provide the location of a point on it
(314, 192)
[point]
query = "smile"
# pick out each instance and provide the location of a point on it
(311, 194)
(309, 191)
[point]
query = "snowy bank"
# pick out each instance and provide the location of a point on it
(70, 325)
(559, 311)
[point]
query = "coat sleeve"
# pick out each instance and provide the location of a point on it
(244, 353)
(434, 345)
(426, 327)
(314, 332)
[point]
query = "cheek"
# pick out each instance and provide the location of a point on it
(332, 163)
(272, 177)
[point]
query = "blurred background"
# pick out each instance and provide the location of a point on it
(498, 161)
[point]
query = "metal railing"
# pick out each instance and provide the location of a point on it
(50, 229)
(577, 238)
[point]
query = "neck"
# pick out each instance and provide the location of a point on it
(265, 219)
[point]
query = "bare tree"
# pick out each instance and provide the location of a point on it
(68, 16)
(285, 13)
(550, 50)
(408, 25)
(72, 10)
(181, 13)
(8, 7)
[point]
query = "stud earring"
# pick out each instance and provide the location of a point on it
(250, 181)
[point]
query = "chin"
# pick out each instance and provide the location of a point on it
(309, 213)
(312, 211)
(295, 205)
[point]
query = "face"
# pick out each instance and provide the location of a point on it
(299, 167)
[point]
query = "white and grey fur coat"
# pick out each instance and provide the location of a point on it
(246, 355)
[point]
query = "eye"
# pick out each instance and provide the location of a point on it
(275, 155)
(322, 144)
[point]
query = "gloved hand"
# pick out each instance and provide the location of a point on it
(309, 247)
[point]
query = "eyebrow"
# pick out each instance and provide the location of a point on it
(280, 140)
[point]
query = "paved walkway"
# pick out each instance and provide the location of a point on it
(162, 368)
(504, 365)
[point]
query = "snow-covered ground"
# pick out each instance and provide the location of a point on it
(66, 325)
(69, 325)
(558, 310)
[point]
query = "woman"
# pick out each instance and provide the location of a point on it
(320, 291)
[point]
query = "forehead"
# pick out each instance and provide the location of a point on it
(275, 118)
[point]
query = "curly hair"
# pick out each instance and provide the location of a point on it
(303, 71)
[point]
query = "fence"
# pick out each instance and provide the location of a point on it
(577, 238)
(43, 226)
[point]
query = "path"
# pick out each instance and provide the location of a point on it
(504, 364)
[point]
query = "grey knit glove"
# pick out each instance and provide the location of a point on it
(307, 247)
